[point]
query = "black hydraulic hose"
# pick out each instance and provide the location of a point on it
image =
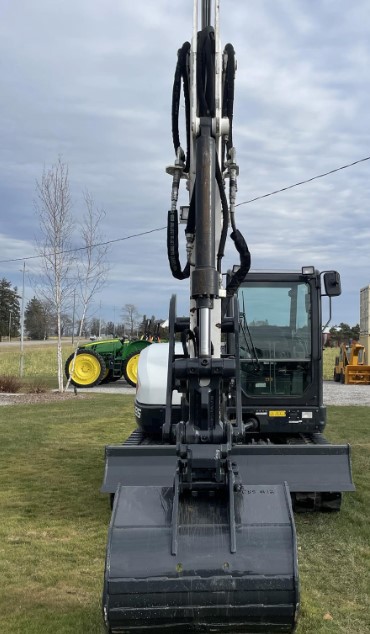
(190, 225)
(225, 216)
(173, 240)
(228, 96)
(173, 247)
(181, 76)
(228, 111)
(206, 103)
(206, 72)
(245, 263)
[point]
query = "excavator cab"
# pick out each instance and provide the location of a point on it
(281, 352)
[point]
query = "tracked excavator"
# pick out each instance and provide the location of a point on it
(230, 412)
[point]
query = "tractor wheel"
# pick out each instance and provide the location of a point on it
(342, 380)
(130, 368)
(336, 376)
(89, 368)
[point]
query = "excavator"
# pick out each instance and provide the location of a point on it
(229, 412)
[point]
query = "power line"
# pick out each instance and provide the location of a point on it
(308, 180)
(245, 202)
(98, 244)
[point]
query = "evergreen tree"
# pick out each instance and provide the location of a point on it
(9, 310)
(36, 319)
(343, 334)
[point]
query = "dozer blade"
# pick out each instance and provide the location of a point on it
(204, 587)
(319, 468)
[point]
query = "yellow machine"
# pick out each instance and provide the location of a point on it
(350, 365)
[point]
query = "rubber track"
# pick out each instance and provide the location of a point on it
(138, 437)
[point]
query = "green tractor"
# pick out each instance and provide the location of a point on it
(108, 360)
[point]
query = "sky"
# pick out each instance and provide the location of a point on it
(91, 82)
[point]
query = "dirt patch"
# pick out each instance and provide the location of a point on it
(45, 397)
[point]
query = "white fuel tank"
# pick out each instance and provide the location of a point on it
(152, 375)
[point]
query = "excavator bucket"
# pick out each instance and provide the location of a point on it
(199, 564)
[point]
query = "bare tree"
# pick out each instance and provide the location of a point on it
(92, 266)
(119, 331)
(95, 326)
(110, 328)
(53, 207)
(131, 318)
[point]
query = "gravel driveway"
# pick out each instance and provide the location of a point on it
(337, 394)
(334, 393)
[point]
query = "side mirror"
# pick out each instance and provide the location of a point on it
(332, 283)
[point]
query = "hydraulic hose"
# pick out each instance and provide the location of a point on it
(173, 247)
(181, 76)
(245, 263)
(206, 72)
(225, 216)
(228, 96)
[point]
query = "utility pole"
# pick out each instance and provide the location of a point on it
(21, 360)
(10, 323)
(73, 317)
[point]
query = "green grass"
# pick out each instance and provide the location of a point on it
(335, 550)
(40, 361)
(329, 362)
(54, 521)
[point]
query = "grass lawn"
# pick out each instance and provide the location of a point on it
(328, 364)
(40, 361)
(54, 521)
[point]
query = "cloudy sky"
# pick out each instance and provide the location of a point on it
(91, 81)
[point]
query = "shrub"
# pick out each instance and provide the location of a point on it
(36, 386)
(9, 383)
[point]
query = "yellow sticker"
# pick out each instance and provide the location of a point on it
(277, 412)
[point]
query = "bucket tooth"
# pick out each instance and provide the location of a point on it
(205, 586)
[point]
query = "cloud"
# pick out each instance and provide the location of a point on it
(93, 81)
